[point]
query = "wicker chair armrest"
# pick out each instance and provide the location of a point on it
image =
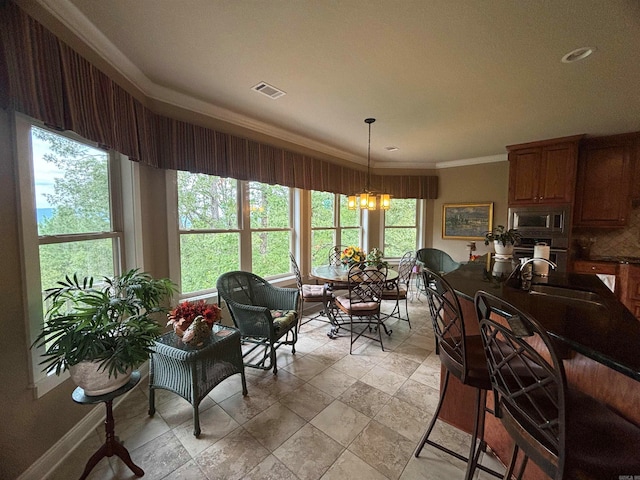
(282, 298)
(251, 320)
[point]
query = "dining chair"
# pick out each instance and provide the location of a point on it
(335, 261)
(399, 290)
(436, 260)
(267, 316)
(567, 433)
(361, 302)
(311, 293)
(461, 355)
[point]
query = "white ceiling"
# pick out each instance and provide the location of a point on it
(449, 81)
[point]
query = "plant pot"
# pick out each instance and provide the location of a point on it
(95, 381)
(504, 250)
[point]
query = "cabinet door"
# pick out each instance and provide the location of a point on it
(558, 173)
(604, 183)
(630, 291)
(524, 175)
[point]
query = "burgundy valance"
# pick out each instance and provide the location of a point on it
(44, 78)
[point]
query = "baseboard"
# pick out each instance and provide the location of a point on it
(48, 462)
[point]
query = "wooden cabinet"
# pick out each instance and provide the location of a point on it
(543, 172)
(604, 185)
(603, 268)
(630, 288)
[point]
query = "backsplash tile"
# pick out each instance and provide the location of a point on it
(616, 242)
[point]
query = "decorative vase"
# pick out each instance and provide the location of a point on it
(197, 332)
(503, 250)
(94, 380)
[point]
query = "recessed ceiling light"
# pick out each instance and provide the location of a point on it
(391, 149)
(578, 54)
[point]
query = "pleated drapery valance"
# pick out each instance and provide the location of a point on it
(44, 78)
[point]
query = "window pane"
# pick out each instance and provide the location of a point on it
(269, 206)
(348, 218)
(207, 202)
(398, 241)
(351, 236)
(88, 258)
(322, 209)
(321, 242)
(205, 256)
(401, 213)
(270, 253)
(71, 185)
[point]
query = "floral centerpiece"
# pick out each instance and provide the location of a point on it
(181, 317)
(351, 255)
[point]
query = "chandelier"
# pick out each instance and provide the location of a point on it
(368, 199)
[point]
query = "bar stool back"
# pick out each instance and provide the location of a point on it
(565, 432)
(463, 357)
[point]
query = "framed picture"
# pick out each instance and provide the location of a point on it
(466, 221)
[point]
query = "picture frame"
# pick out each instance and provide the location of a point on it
(466, 221)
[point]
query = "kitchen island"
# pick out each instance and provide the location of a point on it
(599, 340)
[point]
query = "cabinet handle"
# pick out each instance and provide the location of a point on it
(593, 268)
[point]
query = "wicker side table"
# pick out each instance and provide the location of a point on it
(192, 372)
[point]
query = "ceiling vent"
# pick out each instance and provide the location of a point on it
(268, 90)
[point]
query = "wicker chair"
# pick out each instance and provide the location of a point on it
(565, 432)
(400, 290)
(436, 260)
(266, 316)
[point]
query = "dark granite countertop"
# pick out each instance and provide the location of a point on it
(616, 259)
(603, 330)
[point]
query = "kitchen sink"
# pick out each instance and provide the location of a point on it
(568, 294)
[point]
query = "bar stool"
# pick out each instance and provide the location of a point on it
(565, 432)
(463, 357)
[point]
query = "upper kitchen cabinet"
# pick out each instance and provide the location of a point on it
(543, 172)
(605, 180)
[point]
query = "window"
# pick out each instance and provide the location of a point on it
(332, 223)
(270, 220)
(212, 215)
(71, 223)
(208, 219)
(400, 227)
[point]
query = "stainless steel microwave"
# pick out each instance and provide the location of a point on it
(540, 220)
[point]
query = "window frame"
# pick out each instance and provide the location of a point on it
(418, 226)
(125, 227)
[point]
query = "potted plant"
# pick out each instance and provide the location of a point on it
(503, 239)
(374, 258)
(102, 331)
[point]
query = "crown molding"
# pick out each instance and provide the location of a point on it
(472, 161)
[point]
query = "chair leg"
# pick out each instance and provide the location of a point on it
(425, 437)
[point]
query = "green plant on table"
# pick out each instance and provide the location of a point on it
(111, 322)
(502, 235)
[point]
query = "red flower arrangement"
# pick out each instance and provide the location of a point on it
(186, 312)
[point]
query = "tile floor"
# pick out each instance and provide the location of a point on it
(325, 415)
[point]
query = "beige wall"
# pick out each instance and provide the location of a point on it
(471, 184)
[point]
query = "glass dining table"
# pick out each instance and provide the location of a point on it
(338, 276)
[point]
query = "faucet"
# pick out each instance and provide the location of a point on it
(526, 277)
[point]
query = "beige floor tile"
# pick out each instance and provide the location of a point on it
(384, 449)
(329, 353)
(423, 341)
(383, 379)
(332, 381)
(177, 410)
(189, 471)
(273, 426)
(74, 464)
(277, 385)
(295, 453)
(244, 407)
(399, 364)
(340, 422)
(413, 352)
(227, 388)
(305, 368)
(349, 466)
(215, 424)
(365, 398)
(356, 365)
(232, 457)
(270, 469)
(404, 418)
(430, 466)
(428, 375)
(162, 455)
(307, 401)
(419, 395)
(139, 430)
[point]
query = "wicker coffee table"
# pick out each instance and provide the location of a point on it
(192, 372)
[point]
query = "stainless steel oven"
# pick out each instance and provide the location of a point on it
(537, 225)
